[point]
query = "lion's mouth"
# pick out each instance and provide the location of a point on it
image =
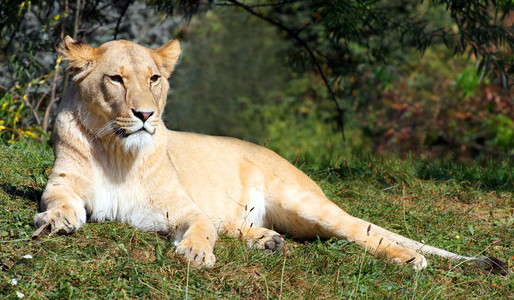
(134, 139)
(124, 133)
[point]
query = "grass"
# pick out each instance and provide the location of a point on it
(463, 208)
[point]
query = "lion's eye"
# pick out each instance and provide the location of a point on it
(116, 78)
(154, 78)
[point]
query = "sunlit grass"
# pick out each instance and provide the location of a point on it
(460, 208)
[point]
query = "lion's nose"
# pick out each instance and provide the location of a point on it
(142, 115)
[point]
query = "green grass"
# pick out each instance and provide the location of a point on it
(463, 208)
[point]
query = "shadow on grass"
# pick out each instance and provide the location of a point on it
(494, 177)
(25, 191)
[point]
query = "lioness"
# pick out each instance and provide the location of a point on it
(115, 160)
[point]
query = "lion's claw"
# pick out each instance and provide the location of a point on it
(53, 223)
(41, 230)
(196, 255)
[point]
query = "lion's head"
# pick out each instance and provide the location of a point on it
(122, 88)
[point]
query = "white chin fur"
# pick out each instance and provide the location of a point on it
(136, 141)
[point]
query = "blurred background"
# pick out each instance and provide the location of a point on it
(316, 81)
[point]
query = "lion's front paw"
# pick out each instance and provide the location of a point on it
(54, 222)
(197, 255)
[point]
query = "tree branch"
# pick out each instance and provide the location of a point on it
(260, 5)
(310, 51)
(124, 10)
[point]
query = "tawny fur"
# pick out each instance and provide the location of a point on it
(115, 160)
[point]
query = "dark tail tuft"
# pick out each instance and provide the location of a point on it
(492, 264)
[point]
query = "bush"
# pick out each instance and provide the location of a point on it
(13, 120)
(441, 107)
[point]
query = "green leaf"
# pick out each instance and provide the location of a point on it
(471, 230)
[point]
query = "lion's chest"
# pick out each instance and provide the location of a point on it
(127, 202)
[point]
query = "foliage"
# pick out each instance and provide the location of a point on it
(232, 83)
(335, 38)
(113, 260)
(336, 45)
(288, 127)
(342, 41)
(501, 128)
(12, 120)
(429, 109)
(222, 72)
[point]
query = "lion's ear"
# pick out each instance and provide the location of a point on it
(166, 56)
(80, 55)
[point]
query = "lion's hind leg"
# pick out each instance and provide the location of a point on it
(304, 212)
(257, 237)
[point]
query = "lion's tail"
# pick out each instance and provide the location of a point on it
(485, 262)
